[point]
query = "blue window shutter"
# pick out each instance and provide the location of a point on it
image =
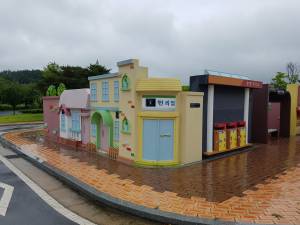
(62, 122)
(116, 130)
(78, 121)
(105, 91)
(75, 121)
(116, 90)
(93, 92)
(94, 130)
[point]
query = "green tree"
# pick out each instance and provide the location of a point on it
(72, 76)
(279, 81)
(97, 69)
(3, 85)
(292, 73)
(13, 95)
(31, 95)
(50, 76)
(51, 91)
(60, 89)
(22, 76)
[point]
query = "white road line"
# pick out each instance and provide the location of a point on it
(5, 199)
(45, 196)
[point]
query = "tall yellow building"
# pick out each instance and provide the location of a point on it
(294, 90)
(147, 121)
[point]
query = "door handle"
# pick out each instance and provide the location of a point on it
(165, 135)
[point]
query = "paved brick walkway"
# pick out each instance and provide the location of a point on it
(259, 186)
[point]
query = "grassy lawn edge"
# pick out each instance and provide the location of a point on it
(21, 118)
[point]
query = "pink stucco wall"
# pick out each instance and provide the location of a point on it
(51, 115)
(274, 116)
(85, 128)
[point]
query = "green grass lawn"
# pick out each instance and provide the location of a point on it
(20, 118)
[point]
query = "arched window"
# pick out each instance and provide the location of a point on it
(125, 126)
(125, 83)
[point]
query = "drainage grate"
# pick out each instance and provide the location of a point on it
(12, 156)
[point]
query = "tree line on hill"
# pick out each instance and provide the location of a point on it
(25, 88)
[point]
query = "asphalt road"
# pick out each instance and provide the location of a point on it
(29, 207)
(25, 207)
(18, 126)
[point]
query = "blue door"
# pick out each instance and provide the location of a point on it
(166, 140)
(158, 140)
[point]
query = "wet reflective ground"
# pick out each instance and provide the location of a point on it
(216, 180)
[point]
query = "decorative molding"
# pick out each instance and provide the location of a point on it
(113, 109)
(104, 76)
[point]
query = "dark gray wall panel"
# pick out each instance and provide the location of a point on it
(228, 104)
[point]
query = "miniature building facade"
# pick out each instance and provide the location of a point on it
(51, 117)
(74, 116)
(148, 121)
(264, 115)
(226, 110)
(151, 121)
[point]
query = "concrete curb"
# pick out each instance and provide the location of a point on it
(125, 206)
(21, 123)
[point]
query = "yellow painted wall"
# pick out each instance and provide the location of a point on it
(188, 121)
(190, 127)
(111, 102)
(128, 103)
(293, 90)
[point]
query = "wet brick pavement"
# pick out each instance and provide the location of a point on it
(261, 185)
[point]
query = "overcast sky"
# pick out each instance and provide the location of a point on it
(173, 38)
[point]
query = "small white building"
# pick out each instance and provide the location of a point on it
(74, 115)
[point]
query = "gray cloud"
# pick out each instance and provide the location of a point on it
(172, 37)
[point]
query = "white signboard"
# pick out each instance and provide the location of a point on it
(159, 103)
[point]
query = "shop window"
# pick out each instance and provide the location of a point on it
(125, 83)
(93, 92)
(62, 122)
(125, 126)
(116, 90)
(116, 130)
(105, 91)
(76, 121)
(94, 130)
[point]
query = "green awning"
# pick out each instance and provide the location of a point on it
(104, 115)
